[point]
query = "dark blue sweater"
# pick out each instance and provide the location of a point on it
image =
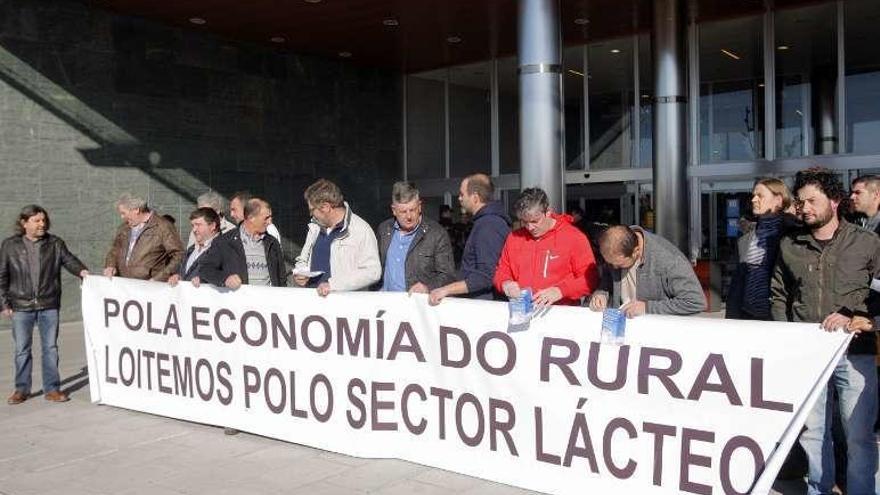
(483, 248)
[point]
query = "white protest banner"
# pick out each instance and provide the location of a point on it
(688, 405)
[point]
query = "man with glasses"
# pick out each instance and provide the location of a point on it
(648, 275)
(415, 251)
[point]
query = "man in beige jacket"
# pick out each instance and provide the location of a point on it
(146, 245)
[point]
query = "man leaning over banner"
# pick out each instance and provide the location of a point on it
(822, 275)
(205, 224)
(340, 251)
(648, 275)
(415, 251)
(30, 290)
(491, 225)
(547, 254)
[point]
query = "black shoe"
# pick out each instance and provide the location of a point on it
(230, 431)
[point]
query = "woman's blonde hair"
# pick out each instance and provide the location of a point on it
(778, 188)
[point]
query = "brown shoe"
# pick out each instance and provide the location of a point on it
(57, 396)
(17, 397)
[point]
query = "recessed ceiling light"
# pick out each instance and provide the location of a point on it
(730, 54)
(197, 21)
(646, 96)
(615, 50)
(390, 22)
(453, 39)
(782, 47)
(345, 54)
(572, 71)
(277, 39)
(580, 21)
(760, 85)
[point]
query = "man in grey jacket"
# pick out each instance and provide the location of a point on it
(415, 251)
(649, 275)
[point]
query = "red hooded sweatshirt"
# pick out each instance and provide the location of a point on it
(561, 258)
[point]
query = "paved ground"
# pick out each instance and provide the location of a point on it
(80, 448)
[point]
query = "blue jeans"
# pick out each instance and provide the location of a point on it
(23, 335)
(855, 381)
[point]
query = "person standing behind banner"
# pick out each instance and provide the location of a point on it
(491, 226)
(205, 228)
(647, 275)
(822, 275)
(415, 251)
(146, 246)
(749, 295)
(30, 290)
(547, 254)
(340, 251)
(236, 211)
(215, 202)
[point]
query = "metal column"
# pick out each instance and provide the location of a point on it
(670, 122)
(540, 102)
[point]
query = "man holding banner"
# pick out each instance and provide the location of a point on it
(822, 275)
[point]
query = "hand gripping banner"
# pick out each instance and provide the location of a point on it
(692, 405)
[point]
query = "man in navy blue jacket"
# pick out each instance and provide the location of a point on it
(483, 246)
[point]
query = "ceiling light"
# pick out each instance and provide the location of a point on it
(782, 47)
(345, 54)
(646, 96)
(197, 21)
(580, 21)
(730, 54)
(615, 50)
(760, 85)
(572, 71)
(312, 1)
(390, 22)
(453, 39)
(277, 39)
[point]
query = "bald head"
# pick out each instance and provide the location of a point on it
(621, 246)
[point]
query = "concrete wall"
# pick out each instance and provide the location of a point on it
(94, 104)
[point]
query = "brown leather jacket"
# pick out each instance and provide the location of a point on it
(156, 255)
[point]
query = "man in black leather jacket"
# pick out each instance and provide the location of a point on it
(30, 292)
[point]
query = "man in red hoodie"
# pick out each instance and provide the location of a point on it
(548, 255)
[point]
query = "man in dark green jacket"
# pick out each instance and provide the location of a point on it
(822, 275)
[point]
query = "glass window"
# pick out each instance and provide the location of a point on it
(425, 133)
(610, 65)
(646, 108)
(573, 98)
(862, 109)
(731, 90)
(469, 120)
(508, 103)
(806, 81)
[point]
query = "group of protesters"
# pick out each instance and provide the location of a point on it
(799, 261)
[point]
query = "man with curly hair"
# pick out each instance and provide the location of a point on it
(822, 275)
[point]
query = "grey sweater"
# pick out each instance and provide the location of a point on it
(665, 280)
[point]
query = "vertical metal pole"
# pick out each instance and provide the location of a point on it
(404, 130)
(694, 91)
(540, 104)
(637, 107)
(841, 79)
(586, 88)
(769, 85)
(447, 138)
(495, 118)
(670, 122)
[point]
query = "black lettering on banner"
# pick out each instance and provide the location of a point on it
(261, 325)
(740, 442)
(197, 322)
(183, 377)
(377, 405)
(646, 370)
(757, 389)
(307, 336)
(477, 437)
(562, 362)
(288, 333)
(162, 371)
(497, 426)
(108, 312)
(509, 348)
(252, 382)
(412, 388)
(724, 386)
(442, 395)
(445, 360)
(630, 467)
(172, 322)
(296, 413)
(404, 330)
(540, 454)
(659, 431)
(107, 377)
(127, 315)
(593, 367)
(689, 459)
(207, 391)
(359, 422)
(124, 353)
(227, 338)
(267, 382)
(224, 373)
(322, 416)
(357, 344)
(148, 358)
(580, 443)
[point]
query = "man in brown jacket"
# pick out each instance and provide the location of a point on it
(146, 246)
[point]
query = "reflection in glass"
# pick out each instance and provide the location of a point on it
(806, 81)
(646, 108)
(469, 121)
(425, 133)
(862, 18)
(508, 103)
(573, 97)
(731, 90)
(611, 103)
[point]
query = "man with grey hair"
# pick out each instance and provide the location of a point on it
(146, 245)
(415, 251)
(214, 201)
